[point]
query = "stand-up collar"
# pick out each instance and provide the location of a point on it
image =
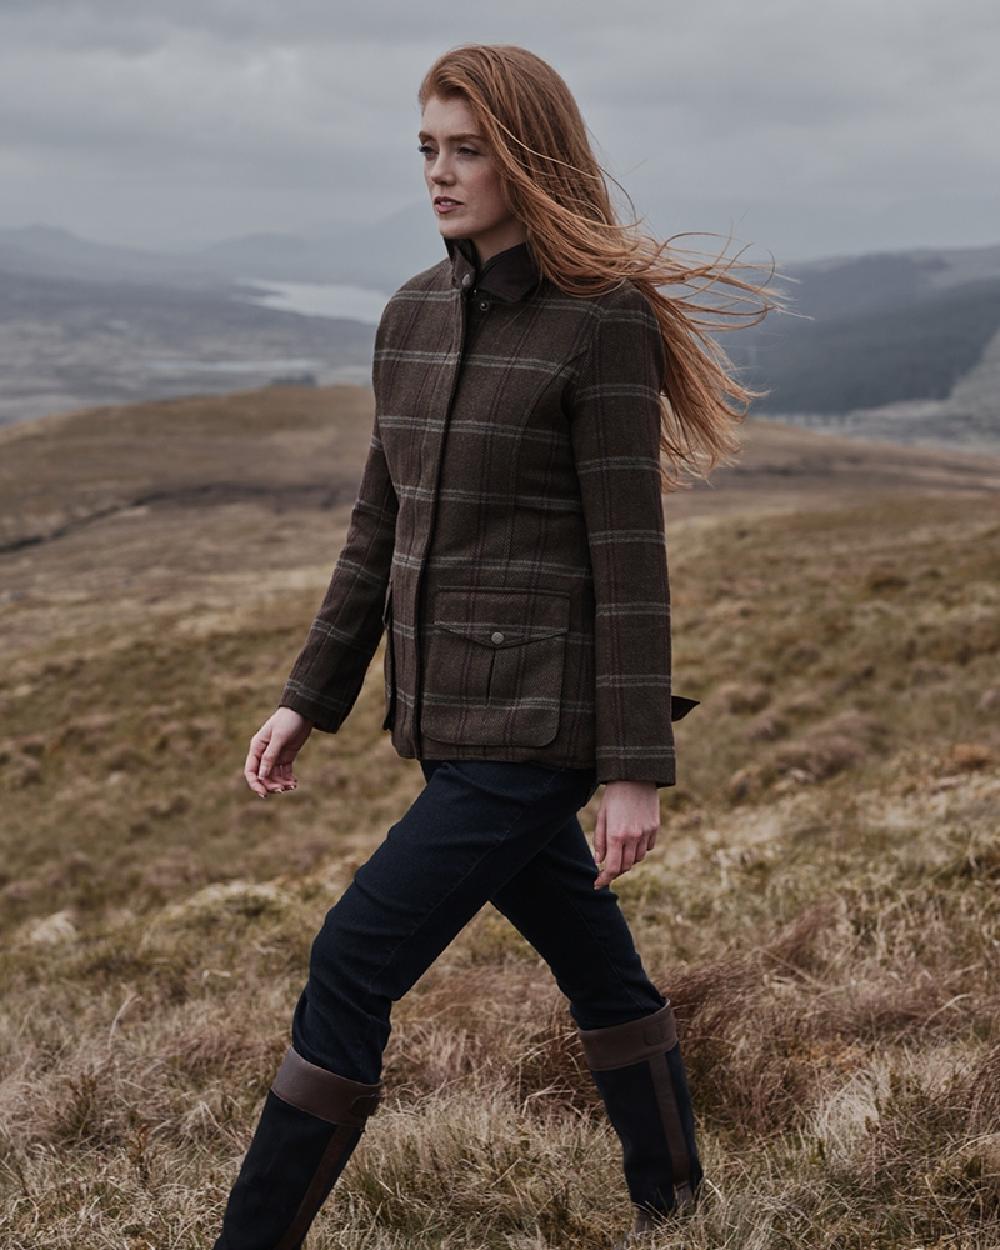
(509, 274)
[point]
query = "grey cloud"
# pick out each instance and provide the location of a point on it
(272, 116)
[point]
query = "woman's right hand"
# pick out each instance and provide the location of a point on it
(273, 748)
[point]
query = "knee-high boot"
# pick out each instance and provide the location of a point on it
(311, 1121)
(638, 1069)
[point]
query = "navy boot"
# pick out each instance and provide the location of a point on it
(638, 1070)
(311, 1121)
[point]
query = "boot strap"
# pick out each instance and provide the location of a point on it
(647, 1040)
(666, 1101)
(327, 1095)
(330, 1166)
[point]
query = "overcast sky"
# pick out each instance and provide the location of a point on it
(804, 127)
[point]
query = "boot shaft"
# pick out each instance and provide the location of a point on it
(638, 1069)
(310, 1124)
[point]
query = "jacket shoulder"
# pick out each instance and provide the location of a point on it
(612, 317)
(623, 303)
(627, 297)
(433, 278)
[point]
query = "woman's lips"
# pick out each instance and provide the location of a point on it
(446, 206)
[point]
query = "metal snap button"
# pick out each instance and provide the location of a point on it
(484, 305)
(496, 636)
(467, 280)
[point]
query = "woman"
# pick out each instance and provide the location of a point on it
(508, 538)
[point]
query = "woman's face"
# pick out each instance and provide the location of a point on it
(458, 165)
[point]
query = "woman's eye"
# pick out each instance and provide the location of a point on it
(425, 148)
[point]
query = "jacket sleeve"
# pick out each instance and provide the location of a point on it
(327, 676)
(614, 415)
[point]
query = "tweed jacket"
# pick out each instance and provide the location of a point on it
(508, 532)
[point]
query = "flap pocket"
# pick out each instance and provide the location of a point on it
(501, 618)
(495, 660)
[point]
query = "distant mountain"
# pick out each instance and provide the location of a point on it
(380, 254)
(47, 251)
(900, 345)
(839, 286)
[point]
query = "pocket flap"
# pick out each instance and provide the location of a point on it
(501, 618)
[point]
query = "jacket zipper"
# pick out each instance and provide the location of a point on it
(417, 732)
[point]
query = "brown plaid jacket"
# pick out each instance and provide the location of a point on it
(508, 534)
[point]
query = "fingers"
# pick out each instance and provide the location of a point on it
(612, 864)
(619, 851)
(257, 744)
(268, 759)
(266, 770)
(625, 851)
(628, 854)
(600, 834)
(272, 772)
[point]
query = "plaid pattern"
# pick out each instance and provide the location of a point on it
(508, 533)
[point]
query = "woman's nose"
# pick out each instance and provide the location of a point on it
(439, 168)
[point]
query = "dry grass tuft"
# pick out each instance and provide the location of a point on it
(821, 907)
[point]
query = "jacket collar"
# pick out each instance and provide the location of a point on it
(509, 274)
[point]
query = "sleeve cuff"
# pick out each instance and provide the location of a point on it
(312, 708)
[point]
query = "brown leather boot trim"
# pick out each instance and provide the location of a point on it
(325, 1094)
(622, 1044)
(312, 1199)
(666, 1101)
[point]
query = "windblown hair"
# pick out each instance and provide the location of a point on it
(554, 184)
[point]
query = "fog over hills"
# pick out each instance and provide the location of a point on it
(381, 254)
(49, 251)
(895, 345)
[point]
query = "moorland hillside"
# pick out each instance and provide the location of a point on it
(821, 906)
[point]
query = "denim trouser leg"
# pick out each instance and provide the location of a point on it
(479, 831)
(580, 932)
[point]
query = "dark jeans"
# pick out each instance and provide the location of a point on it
(480, 831)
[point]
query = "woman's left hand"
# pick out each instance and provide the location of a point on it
(627, 824)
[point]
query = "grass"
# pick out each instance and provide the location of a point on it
(822, 904)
